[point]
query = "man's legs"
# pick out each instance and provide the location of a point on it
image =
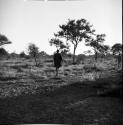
(56, 71)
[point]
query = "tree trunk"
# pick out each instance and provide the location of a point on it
(119, 60)
(95, 58)
(74, 54)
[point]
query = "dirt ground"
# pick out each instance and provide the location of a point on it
(79, 95)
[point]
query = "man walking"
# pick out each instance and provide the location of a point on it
(57, 61)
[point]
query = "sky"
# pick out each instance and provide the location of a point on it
(35, 21)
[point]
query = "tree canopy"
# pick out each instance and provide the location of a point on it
(4, 40)
(59, 45)
(33, 50)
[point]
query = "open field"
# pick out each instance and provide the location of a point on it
(81, 94)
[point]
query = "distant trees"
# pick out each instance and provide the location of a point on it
(74, 32)
(33, 52)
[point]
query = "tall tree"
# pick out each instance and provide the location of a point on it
(96, 43)
(33, 52)
(4, 40)
(75, 31)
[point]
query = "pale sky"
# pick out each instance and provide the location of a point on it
(26, 21)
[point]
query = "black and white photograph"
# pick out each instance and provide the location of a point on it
(61, 62)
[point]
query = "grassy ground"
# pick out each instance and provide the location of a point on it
(80, 95)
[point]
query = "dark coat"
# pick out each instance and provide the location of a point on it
(57, 60)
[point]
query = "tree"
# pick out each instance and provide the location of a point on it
(4, 40)
(96, 43)
(117, 49)
(59, 45)
(33, 52)
(75, 31)
(117, 52)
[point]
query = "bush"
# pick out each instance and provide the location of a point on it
(90, 68)
(27, 57)
(3, 52)
(49, 60)
(80, 58)
(14, 55)
(22, 55)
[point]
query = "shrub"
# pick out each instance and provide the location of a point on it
(22, 55)
(3, 52)
(80, 58)
(90, 68)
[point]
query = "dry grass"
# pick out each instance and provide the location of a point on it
(75, 97)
